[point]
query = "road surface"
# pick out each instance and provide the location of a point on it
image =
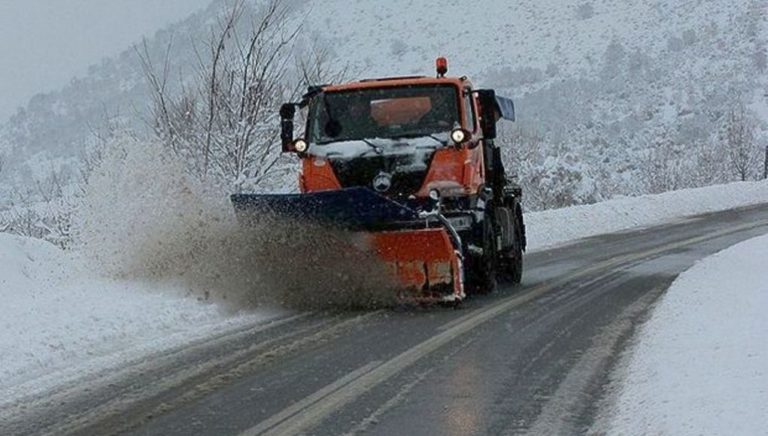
(532, 359)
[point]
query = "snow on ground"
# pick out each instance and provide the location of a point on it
(57, 320)
(557, 226)
(58, 317)
(700, 364)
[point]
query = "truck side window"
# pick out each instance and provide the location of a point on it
(469, 115)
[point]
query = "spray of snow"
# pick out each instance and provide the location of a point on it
(143, 218)
(309, 266)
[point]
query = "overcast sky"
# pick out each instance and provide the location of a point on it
(44, 43)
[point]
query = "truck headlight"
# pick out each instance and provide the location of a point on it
(300, 145)
(459, 135)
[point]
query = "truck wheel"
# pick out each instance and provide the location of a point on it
(481, 270)
(488, 264)
(512, 261)
(515, 266)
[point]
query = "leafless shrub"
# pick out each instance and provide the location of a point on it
(661, 166)
(738, 138)
(316, 65)
(761, 60)
(42, 211)
(106, 134)
(551, 176)
(711, 163)
(223, 124)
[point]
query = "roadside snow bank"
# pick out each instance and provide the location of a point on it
(553, 227)
(700, 365)
(55, 316)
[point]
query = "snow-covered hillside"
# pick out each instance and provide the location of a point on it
(613, 97)
(570, 38)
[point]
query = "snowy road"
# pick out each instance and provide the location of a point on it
(534, 359)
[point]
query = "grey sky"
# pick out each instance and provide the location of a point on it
(44, 43)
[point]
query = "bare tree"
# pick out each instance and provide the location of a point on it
(224, 122)
(42, 212)
(548, 173)
(711, 163)
(315, 66)
(739, 142)
(661, 167)
(765, 164)
(761, 60)
(50, 187)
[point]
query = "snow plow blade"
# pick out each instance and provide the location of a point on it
(424, 261)
(426, 264)
(350, 209)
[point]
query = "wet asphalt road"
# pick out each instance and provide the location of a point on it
(533, 359)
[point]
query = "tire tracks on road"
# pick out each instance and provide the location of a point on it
(375, 374)
(117, 402)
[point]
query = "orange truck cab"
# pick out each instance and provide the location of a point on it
(411, 161)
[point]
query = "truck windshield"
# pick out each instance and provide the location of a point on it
(383, 113)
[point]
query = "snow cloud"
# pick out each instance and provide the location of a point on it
(143, 218)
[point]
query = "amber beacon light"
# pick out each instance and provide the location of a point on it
(441, 65)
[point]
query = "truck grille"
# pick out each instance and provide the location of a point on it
(361, 172)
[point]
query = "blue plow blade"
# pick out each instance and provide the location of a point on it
(351, 208)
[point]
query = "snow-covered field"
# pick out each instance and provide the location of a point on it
(59, 318)
(700, 363)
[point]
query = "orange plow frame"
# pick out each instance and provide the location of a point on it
(425, 262)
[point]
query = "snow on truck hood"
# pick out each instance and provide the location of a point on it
(420, 147)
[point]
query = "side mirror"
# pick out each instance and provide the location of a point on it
(287, 112)
(487, 99)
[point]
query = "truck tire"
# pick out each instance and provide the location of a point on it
(482, 272)
(515, 266)
(512, 260)
(490, 256)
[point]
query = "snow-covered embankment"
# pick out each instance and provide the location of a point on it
(700, 363)
(59, 321)
(553, 227)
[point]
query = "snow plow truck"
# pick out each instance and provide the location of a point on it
(412, 163)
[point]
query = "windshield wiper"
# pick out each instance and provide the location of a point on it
(375, 147)
(443, 143)
(424, 135)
